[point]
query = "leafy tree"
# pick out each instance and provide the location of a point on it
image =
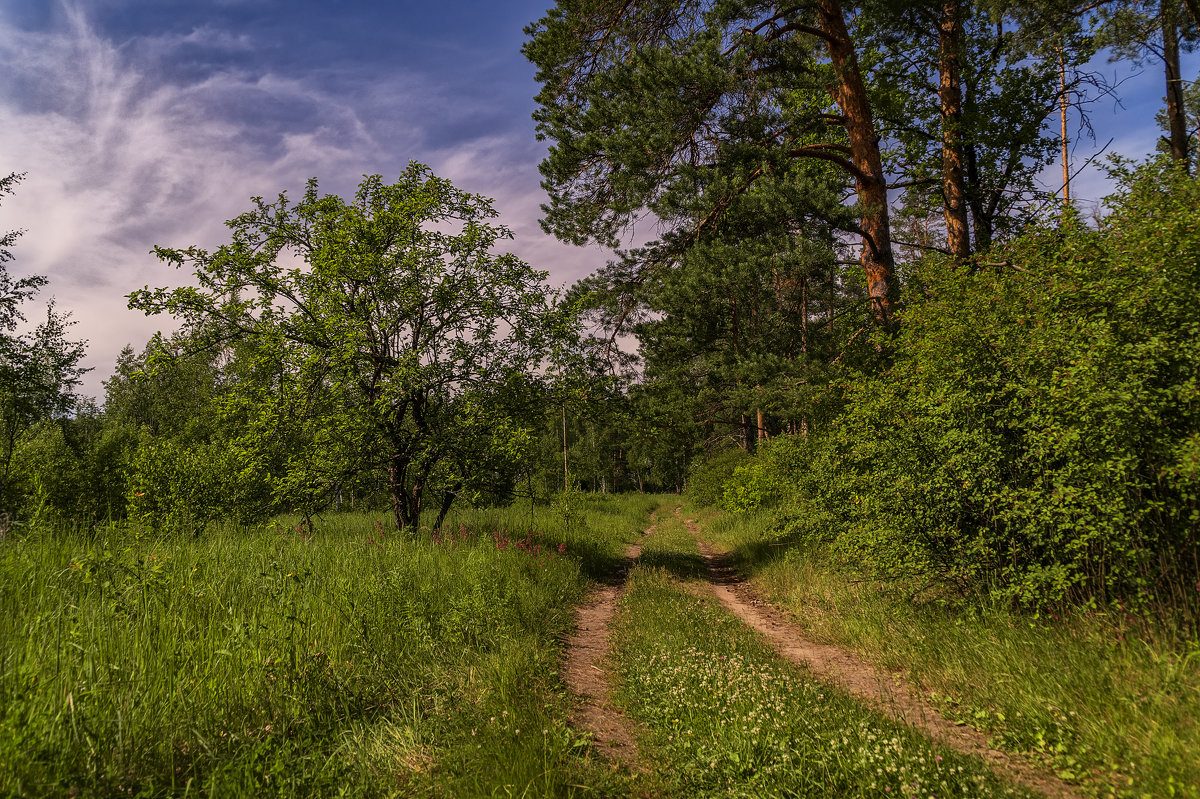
(380, 335)
(167, 395)
(1037, 433)
(39, 371)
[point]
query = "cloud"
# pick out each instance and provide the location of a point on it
(119, 161)
(501, 167)
(157, 138)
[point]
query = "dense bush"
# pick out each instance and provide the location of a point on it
(708, 475)
(1037, 435)
(182, 486)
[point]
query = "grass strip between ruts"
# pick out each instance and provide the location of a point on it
(726, 716)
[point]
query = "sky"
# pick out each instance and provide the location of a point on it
(150, 122)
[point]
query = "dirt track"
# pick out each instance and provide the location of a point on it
(583, 670)
(841, 667)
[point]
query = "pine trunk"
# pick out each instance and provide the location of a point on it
(870, 181)
(1064, 100)
(950, 94)
(1176, 124)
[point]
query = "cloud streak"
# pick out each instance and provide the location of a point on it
(120, 158)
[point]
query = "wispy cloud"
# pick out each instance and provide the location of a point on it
(120, 159)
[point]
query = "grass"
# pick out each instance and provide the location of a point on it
(1104, 699)
(284, 661)
(727, 717)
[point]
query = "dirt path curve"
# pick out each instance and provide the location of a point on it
(885, 692)
(583, 669)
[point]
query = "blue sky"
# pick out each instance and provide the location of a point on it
(144, 122)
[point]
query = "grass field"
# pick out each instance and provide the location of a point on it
(1106, 698)
(728, 717)
(344, 660)
(289, 661)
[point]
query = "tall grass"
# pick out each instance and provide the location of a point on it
(1109, 698)
(294, 661)
(729, 717)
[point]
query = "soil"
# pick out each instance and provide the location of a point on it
(584, 672)
(886, 692)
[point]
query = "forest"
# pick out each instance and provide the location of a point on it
(331, 532)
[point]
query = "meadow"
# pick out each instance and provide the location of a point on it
(725, 716)
(337, 658)
(1105, 697)
(330, 659)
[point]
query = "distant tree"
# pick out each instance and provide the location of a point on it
(39, 371)
(166, 395)
(381, 334)
(1158, 30)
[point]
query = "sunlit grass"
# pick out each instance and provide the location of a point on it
(1104, 697)
(728, 717)
(292, 661)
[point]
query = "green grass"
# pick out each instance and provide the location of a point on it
(727, 717)
(1103, 698)
(283, 662)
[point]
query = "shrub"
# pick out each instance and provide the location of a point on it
(1036, 433)
(709, 474)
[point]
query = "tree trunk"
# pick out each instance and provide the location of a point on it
(950, 93)
(400, 511)
(976, 197)
(870, 181)
(1176, 124)
(447, 500)
(1064, 100)
(804, 315)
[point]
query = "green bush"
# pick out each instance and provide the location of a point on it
(756, 483)
(709, 474)
(1036, 435)
(181, 487)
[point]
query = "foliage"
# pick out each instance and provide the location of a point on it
(708, 475)
(1035, 435)
(39, 370)
(378, 336)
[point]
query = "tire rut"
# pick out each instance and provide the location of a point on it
(585, 676)
(888, 693)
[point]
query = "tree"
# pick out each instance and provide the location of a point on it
(964, 89)
(1158, 29)
(646, 101)
(382, 335)
(39, 371)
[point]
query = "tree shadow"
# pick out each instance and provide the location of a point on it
(680, 565)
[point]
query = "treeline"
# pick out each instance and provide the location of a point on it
(376, 352)
(860, 304)
(1036, 433)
